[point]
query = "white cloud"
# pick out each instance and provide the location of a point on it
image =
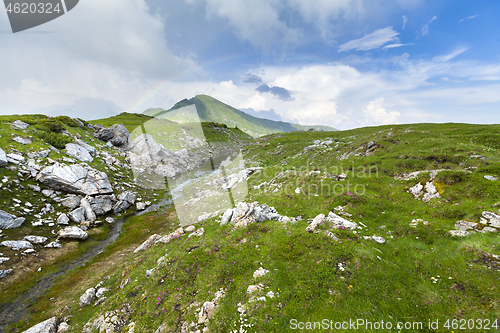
(425, 29)
(376, 114)
(405, 19)
(391, 46)
(371, 41)
(112, 57)
(468, 18)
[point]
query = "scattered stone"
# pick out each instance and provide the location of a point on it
(318, 220)
(489, 229)
(73, 233)
(340, 222)
(148, 243)
(87, 297)
(38, 240)
(89, 213)
(47, 193)
(117, 135)
(48, 326)
(3, 158)
(54, 245)
(4, 273)
(77, 215)
(63, 328)
(78, 152)
(491, 219)
(17, 245)
(120, 206)
(459, 233)
(71, 202)
(77, 178)
(15, 158)
(110, 220)
(9, 221)
(3, 259)
(260, 272)
(253, 288)
(378, 239)
(102, 204)
(198, 232)
(140, 206)
(87, 147)
(63, 219)
(492, 178)
(465, 225)
(18, 124)
(23, 141)
(35, 188)
(101, 292)
(190, 228)
(228, 214)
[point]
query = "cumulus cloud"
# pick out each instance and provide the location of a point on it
(376, 114)
(114, 57)
(371, 41)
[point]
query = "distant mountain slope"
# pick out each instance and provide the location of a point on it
(212, 110)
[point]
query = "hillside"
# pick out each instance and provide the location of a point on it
(392, 223)
(211, 110)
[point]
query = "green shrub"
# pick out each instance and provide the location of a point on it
(66, 120)
(55, 139)
(50, 125)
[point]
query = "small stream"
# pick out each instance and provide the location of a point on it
(18, 309)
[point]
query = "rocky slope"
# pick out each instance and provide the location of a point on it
(384, 223)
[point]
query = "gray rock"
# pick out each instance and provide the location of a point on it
(54, 245)
(371, 144)
(87, 147)
(140, 206)
(101, 292)
(78, 152)
(340, 222)
(148, 243)
(87, 297)
(110, 220)
(3, 259)
(73, 233)
(89, 213)
(416, 190)
(489, 229)
(117, 135)
(63, 328)
(35, 188)
(15, 158)
(77, 178)
(493, 220)
(79, 122)
(226, 217)
(102, 204)
(23, 141)
(9, 221)
(5, 273)
(77, 215)
(47, 193)
(459, 233)
(465, 225)
(378, 239)
(3, 158)
(127, 196)
(121, 137)
(492, 178)
(71, 202)
(20, 125)
(63, 219)
(318, 220)
(120, 206)
(17, 245)
(38, 240)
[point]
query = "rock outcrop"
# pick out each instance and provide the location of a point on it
(48, 326)
(79, 152)
(17, 245)
(3, 158)
(73, 232)
(9, 221)
(118, 135)
(76, 178)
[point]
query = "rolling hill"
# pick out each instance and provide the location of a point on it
(212, 110)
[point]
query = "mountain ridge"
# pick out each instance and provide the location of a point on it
(212, 110)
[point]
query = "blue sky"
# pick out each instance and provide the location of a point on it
(343, 63)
